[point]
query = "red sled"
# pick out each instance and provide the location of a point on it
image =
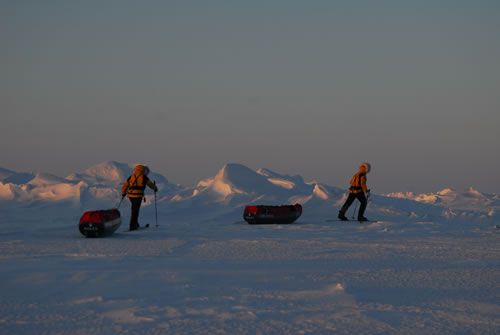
(100, 223)
(272, 214)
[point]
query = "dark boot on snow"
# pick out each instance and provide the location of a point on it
(342, 217)
(362, 219)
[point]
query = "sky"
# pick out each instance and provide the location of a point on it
(301, 87)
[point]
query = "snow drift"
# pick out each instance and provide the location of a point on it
(227, 192)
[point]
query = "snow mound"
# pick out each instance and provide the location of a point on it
(233, 187)
(320, 192)
(44, 179)
(7, 191)
(473, 193)
(97, 186)
(59, 192)
(5, 173)
(110, 173)
(282, 183)
(237, 179)
(270, 174)
(9, 176)
(451, 200)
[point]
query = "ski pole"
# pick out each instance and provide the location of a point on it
(354, 211)
(156, 209)
(120, 203)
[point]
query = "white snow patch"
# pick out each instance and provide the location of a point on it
(7, 191)
(127, 316)
(320, 192)
(282, 183)
(87, 300)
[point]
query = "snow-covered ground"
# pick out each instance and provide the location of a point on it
(428, 267)
(225, 277)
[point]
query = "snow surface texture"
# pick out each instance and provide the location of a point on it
(427, 267)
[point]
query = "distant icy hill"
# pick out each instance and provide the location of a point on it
(232, 187)
(235, 185)
(236, 181)
(111, 173)
(97, 186)
(468, 200)
(225, 194)
(9, 176)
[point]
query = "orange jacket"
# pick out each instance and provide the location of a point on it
(135, 185)
(358, 183)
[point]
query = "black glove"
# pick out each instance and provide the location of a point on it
(123, 195)
(156, 189)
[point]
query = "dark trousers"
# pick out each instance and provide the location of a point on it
(134, 216)
(350, 199)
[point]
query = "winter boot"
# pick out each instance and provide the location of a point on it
(342, 217)
(362, 219)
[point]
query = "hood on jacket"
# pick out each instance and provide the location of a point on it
(365, 167)
(140, 169)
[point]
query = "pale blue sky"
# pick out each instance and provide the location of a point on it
(303, 87)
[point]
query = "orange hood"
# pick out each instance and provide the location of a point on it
(140, 170)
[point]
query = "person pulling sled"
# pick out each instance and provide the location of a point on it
(358, 190)
(134, 187)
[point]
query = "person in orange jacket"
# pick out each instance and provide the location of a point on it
(357, 190)
(134, 187)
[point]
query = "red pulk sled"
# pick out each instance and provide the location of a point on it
(272, 214)
(100, 223)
